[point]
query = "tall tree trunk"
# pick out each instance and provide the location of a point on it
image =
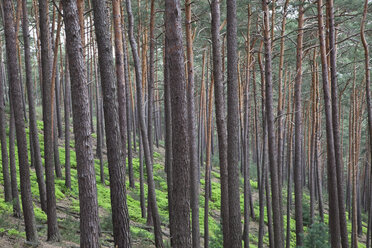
(144, 133)
(194, 166)
(334, 222)
(245, 136)
(208, 169)
(142, 191)
(298, 163)
(369, 106)
(151, 78)
(58, 108)
(180, 218)
(13, 170)
(57, 161)
(89, 220)
(53, 232)
(120, 217)
(168, 134)
(128, 109)
(99, 116)
(280, 95)
(277, 215)
(335, 122)
(220, 118)
(119, 62)
(16, 98)
(235, 232)
(67, 126)
(4, 150)
(31, 107)
(246, 162)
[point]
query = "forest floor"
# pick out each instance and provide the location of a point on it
(12, 229)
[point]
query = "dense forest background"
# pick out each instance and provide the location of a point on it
(143, 123)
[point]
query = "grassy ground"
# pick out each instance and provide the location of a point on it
(12, 230)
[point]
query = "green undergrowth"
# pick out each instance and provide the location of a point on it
(69, 198)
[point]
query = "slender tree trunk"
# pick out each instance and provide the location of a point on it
(13, 170)
(53, 232)
(144, 134)
(128, 109)
(220, 118)
(120, 217)
(168, 135)
(298, 164)
(57, 161)
(4, 150)
(194, 178)
(119, 62)
(67, 126)
(369, 108)
(235, 232)
(289, 174)
(277, 215)
(280, 95)
(16, 98)
(89, 220)
(31, 106)
(334, 222)
(208, 170)
(99, 115)
(246, 163)
(142, 191)
(335, 121)
(58, 108)
(151, 78)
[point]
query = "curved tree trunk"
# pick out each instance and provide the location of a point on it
(144, 133)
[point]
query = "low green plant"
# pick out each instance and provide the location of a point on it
(317, 236)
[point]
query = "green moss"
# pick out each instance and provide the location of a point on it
(39, 214)
(5, 207)
(16, 233)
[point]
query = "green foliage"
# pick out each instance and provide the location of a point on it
(16, 233)
(70, 227)
(217, 239)
(5, 207)
(317, 236)
(40, 215)
(305, 212)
